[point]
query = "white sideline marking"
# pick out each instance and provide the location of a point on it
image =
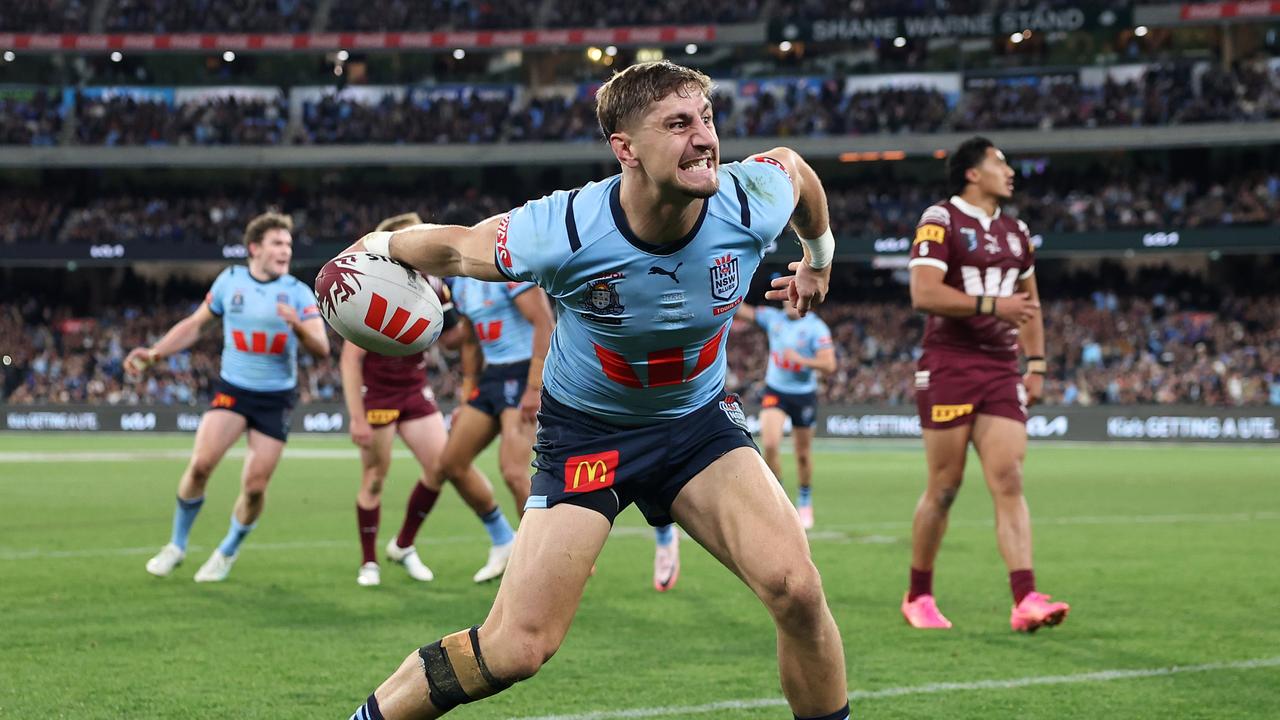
(826, 533)
(928, 689)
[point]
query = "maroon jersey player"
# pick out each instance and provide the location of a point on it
(973, 273)
(389, 396)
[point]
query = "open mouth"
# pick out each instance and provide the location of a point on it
(700, 166)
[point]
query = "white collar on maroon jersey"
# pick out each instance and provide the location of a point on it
(974, 211)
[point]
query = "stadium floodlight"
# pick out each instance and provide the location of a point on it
(117, 56)
(690, 49)
(785, 46)
(594, 54)
(459, 53)
(1141, 31)
(1016, 38)
(899, 42)
(9, 56)
(611, 51)
(228, 56)
(343, 55)
(6, 359)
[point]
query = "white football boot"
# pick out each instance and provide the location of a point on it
(499, 556)
(169, 557)
(369, 575)
(216, 568)
(408, 557)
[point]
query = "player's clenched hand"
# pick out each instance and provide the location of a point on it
(1034, 383)
(805, 289)
(361, 432)
(288, 314)
(139, 359)
(530, 404)
(1017, 308)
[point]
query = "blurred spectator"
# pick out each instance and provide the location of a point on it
(35, 120)
(45, 16)
(179, 16)
(1146, 353)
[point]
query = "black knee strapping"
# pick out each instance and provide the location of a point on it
(456, 672)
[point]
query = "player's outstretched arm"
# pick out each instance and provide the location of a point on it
(1031, 338)
(351, 366)
(311, 332)
(535, 308)
(824, 361)
(441, 250)
(180, 337)
(812, 223)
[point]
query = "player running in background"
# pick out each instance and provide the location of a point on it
(797, 347)
(973, 273)
(389, 396)
(634, 409)
(510, 330)
(266, 313)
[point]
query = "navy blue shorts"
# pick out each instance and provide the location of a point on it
(585, 461)
(802, 408)
(267, 412)
(500, 388)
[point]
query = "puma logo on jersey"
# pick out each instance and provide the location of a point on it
(656, 270)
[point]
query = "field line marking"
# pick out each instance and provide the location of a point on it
(927, 689)
(824, 533)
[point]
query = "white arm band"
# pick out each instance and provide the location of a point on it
(822, 249)
(378, 243)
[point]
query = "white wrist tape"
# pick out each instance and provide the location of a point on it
(378, 243)
(822, 249)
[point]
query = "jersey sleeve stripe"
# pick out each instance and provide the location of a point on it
(497, 263)
(571, 224)
(742, 200)
(1029, 272)
(931, 262)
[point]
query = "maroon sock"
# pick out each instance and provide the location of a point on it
(421, 501)
(921, 584)
(367, 523)
(1023, 583)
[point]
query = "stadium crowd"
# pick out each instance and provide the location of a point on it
(1104, 349)
(1163, 95)
(865, 209)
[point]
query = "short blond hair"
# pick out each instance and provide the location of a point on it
(626, 95)
(264, 223)
(399, 222)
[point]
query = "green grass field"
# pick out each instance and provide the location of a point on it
(1167, 554)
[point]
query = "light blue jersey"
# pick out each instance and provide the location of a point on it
(641, 329)
(505, 335)
(259, 351)
(806, 336)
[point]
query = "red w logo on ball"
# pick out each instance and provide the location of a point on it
(378, 312)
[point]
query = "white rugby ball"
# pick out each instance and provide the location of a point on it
(380, 304)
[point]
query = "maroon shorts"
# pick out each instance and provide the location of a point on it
(385, 406)
(953, 387)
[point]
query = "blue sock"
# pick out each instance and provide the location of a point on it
(842, 714)
(368, 711)
(495, 523)
(665, 534)
(805, 499)
(231, 543)
(184, 516)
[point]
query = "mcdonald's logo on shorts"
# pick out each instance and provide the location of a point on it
(769, 401)
(222, 400)
(947, 413)
(584, 473)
